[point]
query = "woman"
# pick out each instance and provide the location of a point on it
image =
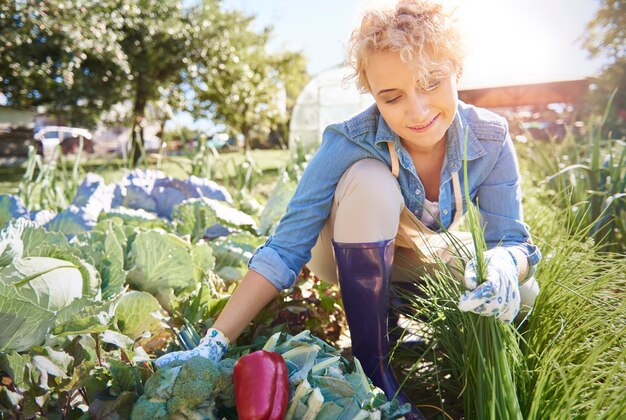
(389, 180)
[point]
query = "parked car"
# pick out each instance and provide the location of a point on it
(49, 137)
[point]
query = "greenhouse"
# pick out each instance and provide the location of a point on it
(329, 97)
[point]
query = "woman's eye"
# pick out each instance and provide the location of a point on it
(393, 100)
(433, 85)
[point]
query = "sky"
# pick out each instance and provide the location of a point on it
(509, 41)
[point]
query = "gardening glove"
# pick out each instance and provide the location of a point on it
(212, 347)
(499, 294)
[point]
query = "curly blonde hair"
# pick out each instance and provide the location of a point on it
(425, 34)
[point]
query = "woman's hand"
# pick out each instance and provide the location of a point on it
(499, 294)
(212, 347)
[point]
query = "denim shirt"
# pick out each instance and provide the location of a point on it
(494, 182)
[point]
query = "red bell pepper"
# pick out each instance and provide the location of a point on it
(261, 386)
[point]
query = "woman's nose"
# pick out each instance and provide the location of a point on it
(418, 107)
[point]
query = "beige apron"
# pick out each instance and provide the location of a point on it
(419, 248)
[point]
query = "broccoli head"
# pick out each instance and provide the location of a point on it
(160, 385)
(188, 391)
(224, 386)
(194, 386)
(146, 408)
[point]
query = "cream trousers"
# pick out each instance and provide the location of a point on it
(367, 207)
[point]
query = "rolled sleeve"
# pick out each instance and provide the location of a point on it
(532, 252)
(284, 254)
(270, 265)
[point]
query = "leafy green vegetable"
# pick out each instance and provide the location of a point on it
(32, 291)
(229, 216)
(38, 242)
(135, 217)
(203, 260)
(11, 207)
(137, 313)
(160, 261)
(193, 217)
(72, 221)
(104, 248)
(235, 251)
(11, 245)
(323, 382)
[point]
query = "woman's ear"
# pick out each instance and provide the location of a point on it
(459, 73)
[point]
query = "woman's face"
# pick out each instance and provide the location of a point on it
(419, 116)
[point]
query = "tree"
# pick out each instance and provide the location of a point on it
(61, 54)
(244, 86)
(606, 37)
(156, 38)
(79, 58)
(291, 67)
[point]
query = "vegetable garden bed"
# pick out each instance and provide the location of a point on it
(93, 290)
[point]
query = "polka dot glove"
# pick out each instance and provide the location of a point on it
(499, 294)
(212, 346)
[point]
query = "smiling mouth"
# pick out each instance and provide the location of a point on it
(420, 128)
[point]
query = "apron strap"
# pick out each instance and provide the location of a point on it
(456, 184)
(395, 167)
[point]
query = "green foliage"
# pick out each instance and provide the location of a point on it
(49, 185)
(79, 58)
(570, 346)
(276, 204)
(40, 286)
(193, 216)
(138, 313)
(587, 176)
(325, 385)
(69, 379)
(205, 160)
(241, 84)
(481, 354)
(492, 356)
(159, 261)
(63, 54)
(575, 334)
(104, 247)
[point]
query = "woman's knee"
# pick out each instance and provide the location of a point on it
(371, 181)
(368, 203)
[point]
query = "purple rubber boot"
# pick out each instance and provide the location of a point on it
(364, 277)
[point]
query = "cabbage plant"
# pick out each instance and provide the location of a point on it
(33, 291)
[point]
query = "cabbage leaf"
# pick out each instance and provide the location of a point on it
(160, 260)
(137, 313)
(32, 291)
